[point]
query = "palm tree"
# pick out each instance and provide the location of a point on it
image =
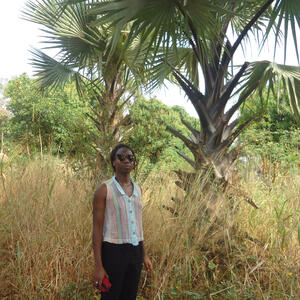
(189, 37)
(105, 70)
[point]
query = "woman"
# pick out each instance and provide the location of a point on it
(118, 244)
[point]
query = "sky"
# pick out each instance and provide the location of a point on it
(18, 36)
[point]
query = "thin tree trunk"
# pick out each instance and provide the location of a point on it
(27, 144)
(41, 141)
(2, 142)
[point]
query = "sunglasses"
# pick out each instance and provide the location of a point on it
(122, 157)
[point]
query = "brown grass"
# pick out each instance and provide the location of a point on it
(45, 237)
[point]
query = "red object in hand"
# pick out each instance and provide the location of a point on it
(105, 285)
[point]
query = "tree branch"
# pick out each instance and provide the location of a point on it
(219, 47)
(242, 99)
(226, 57)
(191, 145)
(193, 94)
(119, 107)
(190, 161)
(195, 43)
(123, 122)
(230, 50)
(119, 93)
(188, 83)
(225, 96)
(228, 142)
(202, 55)
(194, 131)
(97, 123)
(248, 27)
(228, 129)
(126, 100)
(219, 80)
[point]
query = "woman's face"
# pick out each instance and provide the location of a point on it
(124, 160)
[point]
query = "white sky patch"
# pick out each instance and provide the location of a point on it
(17, 36)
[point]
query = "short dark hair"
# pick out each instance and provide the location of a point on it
(115, 150)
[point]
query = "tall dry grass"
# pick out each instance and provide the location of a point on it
(45, 230)
(212, 247)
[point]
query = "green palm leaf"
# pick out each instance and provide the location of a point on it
(53, 73)
(264, 74)
(162, 67)
(83, 44)
(285, 15)
(67, 30)
(164, 21)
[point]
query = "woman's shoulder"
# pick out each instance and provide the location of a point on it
(100, 190)
(104, 183)
(103, 187)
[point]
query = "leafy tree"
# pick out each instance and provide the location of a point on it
(191, 36)
(104, 68)
(272, 112)
(4, 117)
(50, 121)
(156, 147)
(275, 137)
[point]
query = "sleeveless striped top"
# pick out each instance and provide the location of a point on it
(123, 214)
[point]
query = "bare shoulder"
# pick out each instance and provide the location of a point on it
(100, 193)
(102, 188)
(99, 203)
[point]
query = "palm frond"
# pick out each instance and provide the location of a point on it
(42, 12)
(162, 66)
(52, 73)
(165, 21)
(285, 15)
(264, 74)
(67, 29)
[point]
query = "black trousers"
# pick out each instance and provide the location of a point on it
(123, 263)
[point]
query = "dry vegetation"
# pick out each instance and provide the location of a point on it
(222, 250)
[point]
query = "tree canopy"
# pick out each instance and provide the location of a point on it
(157, 148)
(191, 36)
(54, 121)
(275, 136)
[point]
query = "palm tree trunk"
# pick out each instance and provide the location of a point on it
(211, 147)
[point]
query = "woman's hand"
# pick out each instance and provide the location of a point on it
(147, 263)
(99, 274)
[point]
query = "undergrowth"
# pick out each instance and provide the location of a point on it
(207, 245)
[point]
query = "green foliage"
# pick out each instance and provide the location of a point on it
(274, 111)
(155, 146)
(276, 136)
(277, 146)
(4, 114)
(4, 118)
(57, 121)
(53, 120)
(83, 290)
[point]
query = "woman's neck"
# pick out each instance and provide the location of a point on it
(123, 178)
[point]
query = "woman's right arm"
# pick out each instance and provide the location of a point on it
(98, 221)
